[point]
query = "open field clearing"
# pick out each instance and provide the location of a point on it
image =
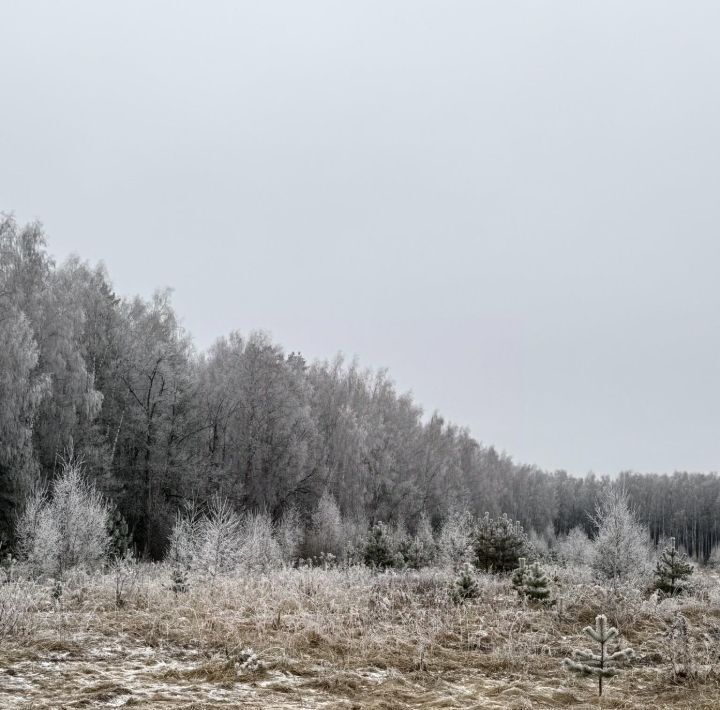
(341, 638)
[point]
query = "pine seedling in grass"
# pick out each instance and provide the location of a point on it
(465, 585)
(535, 584)
(672, 570)
(600, 665)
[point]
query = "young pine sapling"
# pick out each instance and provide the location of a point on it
(672, 570)
(600, 665)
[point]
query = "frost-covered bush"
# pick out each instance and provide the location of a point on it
(259, 549)
(620, 549)
(420, 550)
(574, 549)
(326, 534)
(455, 540)
(218, 540)
(355, 527)
(289, 535)
(17, 600)
(184, 546)
(65, 525)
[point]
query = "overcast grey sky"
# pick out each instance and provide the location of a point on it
(514, 206)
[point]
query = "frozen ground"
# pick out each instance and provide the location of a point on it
(341, 639)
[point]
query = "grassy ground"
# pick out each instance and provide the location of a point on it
(341, 639)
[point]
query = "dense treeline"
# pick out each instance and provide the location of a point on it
(119, 383)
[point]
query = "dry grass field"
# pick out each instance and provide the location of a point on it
(342, 638)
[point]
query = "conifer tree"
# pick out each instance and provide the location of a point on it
(672, 570)
(535, 584)
(519, 575)
(465, 586)
(378, 550)
(601, 665)
(499, 543)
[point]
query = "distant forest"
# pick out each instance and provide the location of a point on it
(156, 423)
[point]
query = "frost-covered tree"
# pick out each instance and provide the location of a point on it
(65, 525)
(672, 570)
(575, 548)
(185, 537)
(326, 528)
(289, 534)
(455, 546)
(599, 665)
(259, 548)
(620, 549)
(220, 538)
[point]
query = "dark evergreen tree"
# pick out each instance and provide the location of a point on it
(672, 570)
(120, 536)
(378, 548)
(499, 544)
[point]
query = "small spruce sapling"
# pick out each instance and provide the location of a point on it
(601, 665)
(465, 585)
(672, 570)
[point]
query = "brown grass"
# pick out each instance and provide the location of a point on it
(343, 639)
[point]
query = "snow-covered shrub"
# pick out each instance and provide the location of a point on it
(420, 550)
(620, 549)
(65, 525)
(17, 600)
(355, 529)
(289, 535)
(126, 573)
(258, 547)
(542, 544)
(220, 538)
(326, 534)
(574, 549)
(455, 540)
(185, 538)
(219, 541)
